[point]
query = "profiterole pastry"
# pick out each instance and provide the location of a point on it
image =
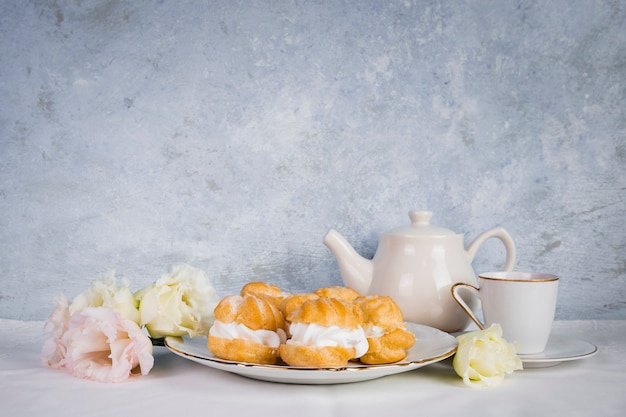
(325, 332)
(384, 327)
(292, 302)
(271, 292)
(342, 293)
(247, 329)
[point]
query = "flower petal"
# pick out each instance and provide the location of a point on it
(105, 292)
(54, 349)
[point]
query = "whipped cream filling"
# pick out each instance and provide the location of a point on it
(374, 331)
(241, 331)
(320, 336)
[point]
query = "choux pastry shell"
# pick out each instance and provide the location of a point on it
(247, 329)
(386, 332)
(337, 323)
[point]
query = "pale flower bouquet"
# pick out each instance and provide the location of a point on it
(107, 333)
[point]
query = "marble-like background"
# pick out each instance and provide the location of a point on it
(232, 135)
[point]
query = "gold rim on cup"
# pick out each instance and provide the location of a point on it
(515, 276)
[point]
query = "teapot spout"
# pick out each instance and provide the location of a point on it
(356, 271)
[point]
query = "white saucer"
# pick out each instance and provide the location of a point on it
(559, 349)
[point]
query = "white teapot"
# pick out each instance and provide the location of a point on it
(417, 265)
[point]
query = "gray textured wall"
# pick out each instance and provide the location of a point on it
(232, 135)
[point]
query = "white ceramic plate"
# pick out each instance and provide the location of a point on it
(431, 346)
(559, 349)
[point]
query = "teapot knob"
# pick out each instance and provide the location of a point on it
(420, 218)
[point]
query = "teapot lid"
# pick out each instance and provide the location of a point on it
(420, 226)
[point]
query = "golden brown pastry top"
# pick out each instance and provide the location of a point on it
(327, 311)
(342, 293)
(254, 312)
(292, 302)
(380, 311)
(264, 290)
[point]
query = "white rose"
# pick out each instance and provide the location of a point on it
(484, 357)
(105, 292)
(179, 303)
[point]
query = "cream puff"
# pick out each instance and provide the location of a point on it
(270, 292)
(247, 329)
(342, 293)
(325, 332)
(386, 332)
(292, 302)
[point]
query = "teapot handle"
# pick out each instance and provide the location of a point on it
(504, 236)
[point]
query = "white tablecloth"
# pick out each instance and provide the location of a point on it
(176, 386)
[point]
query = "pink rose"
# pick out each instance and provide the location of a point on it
(97, 343)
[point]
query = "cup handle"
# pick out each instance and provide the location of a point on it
(504, 236)
(461, 302)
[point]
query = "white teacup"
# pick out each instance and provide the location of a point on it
(523, 303)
